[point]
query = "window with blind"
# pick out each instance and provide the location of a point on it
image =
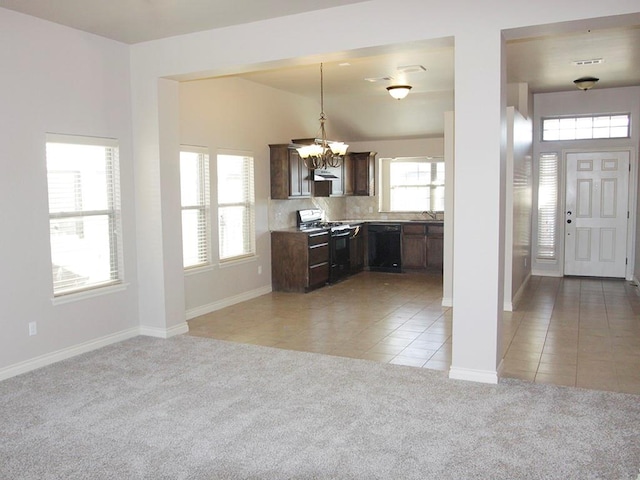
(84, 212)
(194, 194)
(236, 207)
(547, 206)
(412, 185)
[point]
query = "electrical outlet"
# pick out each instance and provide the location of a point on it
(259, 269)
(370, 209)
(33, 328)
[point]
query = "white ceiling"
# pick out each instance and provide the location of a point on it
(134, 21)
(358, 109)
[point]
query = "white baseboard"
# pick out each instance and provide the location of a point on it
(510, 306)
(545, 273)
(473, 375)
(520, 292)
(164, 332)
(63, 354)
(227, 302)
(447, 301)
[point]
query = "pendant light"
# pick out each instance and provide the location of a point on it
(322, 153)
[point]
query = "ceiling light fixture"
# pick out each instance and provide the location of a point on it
(322, 153)
(399, 91)
(585, 83)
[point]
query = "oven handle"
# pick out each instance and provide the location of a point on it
(346, 233)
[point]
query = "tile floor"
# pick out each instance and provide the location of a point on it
(566, 331)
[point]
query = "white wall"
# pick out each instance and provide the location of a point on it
(518, 216)
(595, 101)
(55, 79)
(235, 114)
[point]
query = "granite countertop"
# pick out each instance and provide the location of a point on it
(356, 222)
(361, 222)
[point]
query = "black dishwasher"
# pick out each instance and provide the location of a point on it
(385, 247)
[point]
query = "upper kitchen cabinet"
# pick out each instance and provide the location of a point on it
(290, 177)
(360, 173)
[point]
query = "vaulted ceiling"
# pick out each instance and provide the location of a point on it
(356, 100)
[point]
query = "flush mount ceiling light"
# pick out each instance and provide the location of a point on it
(399, 91)
(585, 83)
(322, 153)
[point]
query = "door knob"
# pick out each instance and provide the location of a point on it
(569, 212)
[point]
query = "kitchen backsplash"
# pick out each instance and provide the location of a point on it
(282, 213)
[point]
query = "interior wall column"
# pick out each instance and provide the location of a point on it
(158, 233)
(479, 199)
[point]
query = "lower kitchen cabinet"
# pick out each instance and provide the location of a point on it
(435, 247)
(422, 246)
(299, 260)
(414, 246)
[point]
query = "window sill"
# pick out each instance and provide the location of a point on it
(188, 272)
(94, 292)
(238, 261)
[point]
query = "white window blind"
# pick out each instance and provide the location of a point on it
(412, 184)
(84, 212)
(547, 206)
(236, 206)
(194, 193)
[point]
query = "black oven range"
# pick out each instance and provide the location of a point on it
(340, 234)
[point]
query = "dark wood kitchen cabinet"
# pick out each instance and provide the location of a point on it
(435, 247)
(414, 246)
(299, 260)
(422, 246)
(359, 173)
(290, 177)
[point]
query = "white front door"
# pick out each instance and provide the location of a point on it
(596, 206)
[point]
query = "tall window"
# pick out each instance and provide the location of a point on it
(84, 212)
(547, 206)
(412, 185)
(236, 207)
(194, 193)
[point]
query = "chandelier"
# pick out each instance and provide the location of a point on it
(322, 153)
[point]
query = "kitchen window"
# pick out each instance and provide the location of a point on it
(84, 212)
(586, 127)
(236, 206)
(414, 184)
(194, 193)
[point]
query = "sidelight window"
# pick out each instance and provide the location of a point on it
(547, 206)
(236, 207)
(84, 212)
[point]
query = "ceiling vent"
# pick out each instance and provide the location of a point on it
(591, 61)
(378, 79)
(411, 69)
